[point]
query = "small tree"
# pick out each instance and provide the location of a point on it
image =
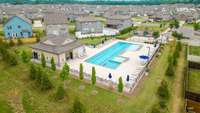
(38, 75)
(65, 72)
(25, 57)
(196, 26)
(93, 78)
(43, 60)
(170, 68)
(53, 65)
(45, 82)
(78, 107)
(11, 43)
(163, 90)
(156, 34)
(19, 41)
(33, 72)
(11, 58)
(60, 93)
(81, 72)
(120, 85)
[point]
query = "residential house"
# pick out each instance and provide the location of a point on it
(18, 27)
(56, 23)
(61, 48)
(119, 22)
(88, 25)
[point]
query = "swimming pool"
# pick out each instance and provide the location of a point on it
(105, 57)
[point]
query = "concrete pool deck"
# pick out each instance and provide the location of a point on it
(133, 67)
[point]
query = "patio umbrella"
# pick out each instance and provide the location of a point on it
(109, 76)
(127, 78)
(144, 57)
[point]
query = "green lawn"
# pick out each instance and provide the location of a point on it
(188, 25)
(15, 79)
(153, 26)
(139, 19)
(194, 78)
(93, 41)
(194, 50)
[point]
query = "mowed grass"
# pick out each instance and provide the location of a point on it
(194, 78)
(194, 50)
(15, 79)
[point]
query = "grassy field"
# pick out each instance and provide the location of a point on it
(15, 87)
(194, 50)
(194, 79)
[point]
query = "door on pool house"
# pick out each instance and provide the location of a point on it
(71, 54)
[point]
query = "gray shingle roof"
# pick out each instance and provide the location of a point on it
(119, 17)
(55, 18)
(86, 19)
(57, 45)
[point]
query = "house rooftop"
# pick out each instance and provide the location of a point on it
(119, 17)
(22, 17)
(57, 44)
(86, 19)
(55, 18)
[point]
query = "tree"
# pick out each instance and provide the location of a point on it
(196, 26)
(19, 41)
(53, 65)
(11, 43)
(93, 78)
(60, 93)
(45, 82)
(38, 75)
(25, 57)
(33, 72)
(5, 19)
(156, 34)
(170, 69)
(11, 58)
(78, 107)
(43, 60)
(163, 90)
(65, 72)
(81, 72)
(120, 85)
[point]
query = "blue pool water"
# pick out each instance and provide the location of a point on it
(105, 57)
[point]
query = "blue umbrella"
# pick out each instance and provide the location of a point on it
(127, 78)
(109, 76)
(144, 57)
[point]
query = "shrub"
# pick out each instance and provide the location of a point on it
(163, 91)
(78, 107)
(33, 72)
(43, 60)
(163, 103)
(120, 85)
(196, 26)
(126, 30)
(11, 43)
(170, 69)
(45, 83)
(11, 58)
(65, 72)
(93, 78)
(81, 72)
(60, 93)
(25, 57)
(156, 34)
(53, 65)
(19, 41)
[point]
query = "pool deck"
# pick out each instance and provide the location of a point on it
(132, 67)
